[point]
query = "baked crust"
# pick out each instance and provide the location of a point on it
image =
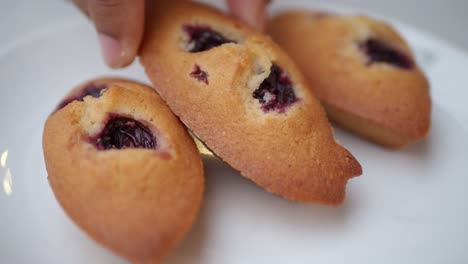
(137, 202)
(386, 104)
(292, 153)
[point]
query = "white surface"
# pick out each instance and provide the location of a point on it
(408, 207)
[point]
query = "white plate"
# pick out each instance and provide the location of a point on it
(409, 206)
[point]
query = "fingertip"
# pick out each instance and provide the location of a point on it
(120, 26)
(253, 12)
(111, 50)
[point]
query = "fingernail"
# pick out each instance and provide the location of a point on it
(111, 50)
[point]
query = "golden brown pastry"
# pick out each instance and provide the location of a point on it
(246, 100)
(124, 168)
(363, 72)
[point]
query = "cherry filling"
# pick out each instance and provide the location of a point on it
(92, 89)
(203, 38)
(123, 132)
(276, 91)
(378, 51)
(199, 74)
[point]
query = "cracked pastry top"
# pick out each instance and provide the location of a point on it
(123, 168)
(362, 70)
(245, 99)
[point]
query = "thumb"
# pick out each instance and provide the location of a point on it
(251, 11)
(120, 25)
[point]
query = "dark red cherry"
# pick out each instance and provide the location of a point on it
(199, 74)
(379, 52)
(123, 132)
(94, 90)
(276, 91)
(203, 38)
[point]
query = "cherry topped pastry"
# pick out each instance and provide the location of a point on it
(255, 112)
(118, 161)
(363, 72)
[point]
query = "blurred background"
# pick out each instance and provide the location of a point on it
(447, 19)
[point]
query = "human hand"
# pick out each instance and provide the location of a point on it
(120, 24)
